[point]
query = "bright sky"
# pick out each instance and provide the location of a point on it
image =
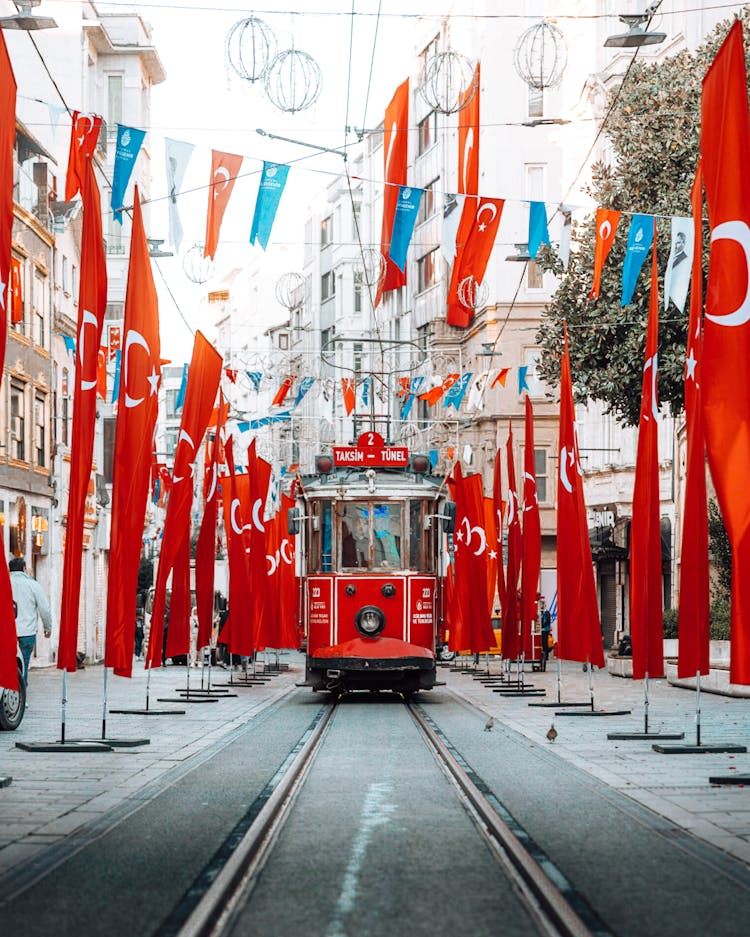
(205, 103)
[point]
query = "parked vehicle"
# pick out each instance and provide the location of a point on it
(13, 702)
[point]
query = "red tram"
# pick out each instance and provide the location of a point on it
(372, 568)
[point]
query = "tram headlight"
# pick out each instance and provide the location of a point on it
(369, 621)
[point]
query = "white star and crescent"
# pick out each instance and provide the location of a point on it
(735, 231)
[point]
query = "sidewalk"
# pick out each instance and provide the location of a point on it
(57, 796)
(675, 786)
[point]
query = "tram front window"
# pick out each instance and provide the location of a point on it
(371, 536)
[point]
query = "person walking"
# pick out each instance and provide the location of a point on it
(31, 605)
(545, 620)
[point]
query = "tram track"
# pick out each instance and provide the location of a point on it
(546, 896)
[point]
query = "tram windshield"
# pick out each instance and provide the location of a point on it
(371, 535)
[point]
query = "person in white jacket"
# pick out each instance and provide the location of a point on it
(31, 604)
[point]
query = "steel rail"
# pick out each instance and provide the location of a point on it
(544, 901)
(215, 912)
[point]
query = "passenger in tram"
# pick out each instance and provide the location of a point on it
(355, 543)
(385, 539)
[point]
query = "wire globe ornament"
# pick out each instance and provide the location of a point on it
(541, 55)
(250, 48)
(449, 82)
(471, 294)
(372, 266)
(290, 289)
(197, 268)
(293, 81)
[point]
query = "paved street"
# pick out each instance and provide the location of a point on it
(59, 802)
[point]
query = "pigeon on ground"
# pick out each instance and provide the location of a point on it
(552, 733)
(489, 724)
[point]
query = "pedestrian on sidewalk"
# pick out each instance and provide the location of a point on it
(31, 605)
(545, 621)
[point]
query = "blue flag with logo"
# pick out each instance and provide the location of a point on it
(272, 182)
(456, 393)
(183, 387)
(70, 344)
(255, 377)
(129, 140)
(407, 207)
(538, 231)
(116, 384)
(640, 239)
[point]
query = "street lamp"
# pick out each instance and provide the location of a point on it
(635, 37)
(521, 254)
(154, 248)
(25, 19)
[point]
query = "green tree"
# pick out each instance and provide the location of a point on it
(654, 132)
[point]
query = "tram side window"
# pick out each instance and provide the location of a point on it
(420, 540)
(386, 522)
(322, 557)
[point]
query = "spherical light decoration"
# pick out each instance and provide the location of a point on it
(250, 48)
(541, 55)
(293, 81)
(372, 266)
(449, 82)
(197, 268)
(471, 294)
(290, 290)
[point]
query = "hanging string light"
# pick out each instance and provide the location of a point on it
(372, 266)
(290, 290)
(293, 81)
(197, 268)
(449, 82)
(541, 55)
(250, 48)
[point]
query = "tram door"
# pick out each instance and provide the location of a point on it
(608, 601)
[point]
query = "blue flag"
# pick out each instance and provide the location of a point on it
(272, 182)
(640, 239)
(366, 392)
(116, 385)
(522, 382)
(183, 387)
(407, 207)
(414, 386)
(538, 232)
(70, 344)
(304, 385)
(129, 141)
(245, 425)
(456, 393)
(255, 377)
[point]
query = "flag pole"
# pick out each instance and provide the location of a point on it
(697, 707)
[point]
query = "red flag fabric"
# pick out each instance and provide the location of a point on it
(579, 635)
(8, 669)
(219, 415)
(532, 537)
(205, 550)
(101, 372)
(347, 388)
(225, 167)
(725, 152)
(471, 259)
(231, 374)
(204, 374)
(288, 585)
(136, 418)
(239, 637)
(499, 508)
(511, 611)
(91, 306)
(84, 134)
(500, 378)
(646, 589)
(468, 138)
(606, 228)
(490, 531)
(16, 291)
(280, 396)
(435, 393)
(259, 474)
(395, 151)
(694, 604)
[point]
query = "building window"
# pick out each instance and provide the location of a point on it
(536, 102)
(284, 341)
(534, 278)
(114, 237)
(109, 427)
(327, 286)
(65, 408)
(358, 281)
(18, 327)
(427, 271)
(40, 428)
(327, 338)
(427, 133)
(171, 441)
(40, 303)
(429, 51)
(170, 398)
(540, 472)
(427, 202)
(74, 279)
(326, 231)
(18, 420)
(114, 105)
(356, 218)
(66, 275)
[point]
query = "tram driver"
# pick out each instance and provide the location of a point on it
(355, 539)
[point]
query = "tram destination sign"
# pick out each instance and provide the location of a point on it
(371, 452)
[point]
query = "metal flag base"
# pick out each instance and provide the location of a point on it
(639, 736)
(187, 699)
(216, 694)
(149, 712)
(5, 781)
(699, 749)
(524, 692)
(594, 712)
(561, 703)
(113, 743)
(57, 747)
(740, 779)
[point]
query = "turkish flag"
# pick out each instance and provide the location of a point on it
(204, 375)
(478, 239)
(84, 134)
(725, 155)
(511, 612)
(16, 291)
(606, 228)
(91, 307)
(532, 537)
(239, 637)
(205, 550)
(136, 418)
(225, 167)
(286, 386)
(395, 151)
(468, 138)
(219, 415)
(259, 475)
(347, 388)
(646, 590)
(499, 508)
(8, 669)
(288, 583)
(493, 550)
(579, 635)
(694, 604)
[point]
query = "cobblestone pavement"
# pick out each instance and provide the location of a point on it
(56, 797)
(675, 786)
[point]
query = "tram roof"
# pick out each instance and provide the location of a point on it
(355, 483)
